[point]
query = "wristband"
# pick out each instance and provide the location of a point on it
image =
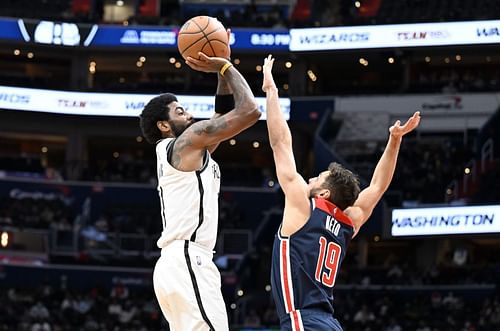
(225, 67)
(224, 103)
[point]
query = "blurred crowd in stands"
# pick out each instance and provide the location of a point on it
(36, 211)
(375, 308)
(454, 80)
(392, 310)
(427, 161)
(46, 308)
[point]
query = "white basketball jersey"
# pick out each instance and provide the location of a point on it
(189, 200)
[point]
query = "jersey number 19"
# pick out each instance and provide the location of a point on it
(331, 251)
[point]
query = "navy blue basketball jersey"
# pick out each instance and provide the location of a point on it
(305, 264)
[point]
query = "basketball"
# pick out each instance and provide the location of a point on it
(203, 34)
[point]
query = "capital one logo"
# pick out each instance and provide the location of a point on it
(57, 33)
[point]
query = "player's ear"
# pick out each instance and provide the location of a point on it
(324, 193)
(163, 126)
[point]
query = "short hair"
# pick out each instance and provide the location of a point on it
(155, 110)
(343, 186)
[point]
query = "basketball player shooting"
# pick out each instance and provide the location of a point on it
(186, 281)
(319, 220)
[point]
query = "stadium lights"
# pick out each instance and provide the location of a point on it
(427, 59)
(258, 68)
(142, 59)
(30, 55)
(139, 139)
(312, 75)
(446, 60)
(285, 87)
(178, 65)
(458, 57)
(172, 60)
(120, 3)
(92, 66)
(45, 149)
(17, 52)
(288, 64)
(390, 60)
(139, 64)
(357, 4)
(255, 144)
(232, 142)
(4, 240)
(237, 61)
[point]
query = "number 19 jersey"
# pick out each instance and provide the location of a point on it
(305, 264)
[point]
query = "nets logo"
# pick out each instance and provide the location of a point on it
(14, 98)
(66, 34)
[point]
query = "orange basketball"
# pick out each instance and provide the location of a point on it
(203, 34)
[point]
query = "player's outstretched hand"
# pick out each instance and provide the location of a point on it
(206, 63)
(267, 70)
(398, 130)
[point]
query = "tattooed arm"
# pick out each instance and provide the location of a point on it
(223, 89)
(191, 145)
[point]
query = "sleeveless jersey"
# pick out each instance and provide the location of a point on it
(305, 264)
(188, 199)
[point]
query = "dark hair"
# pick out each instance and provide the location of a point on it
(155, 110)
(343, 185)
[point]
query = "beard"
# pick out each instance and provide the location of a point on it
(179, 129)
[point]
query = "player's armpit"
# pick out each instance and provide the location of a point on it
(363, 207)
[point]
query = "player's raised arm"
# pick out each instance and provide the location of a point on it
(280, 139)
(382, 175)
(224, 100)
(245, 113)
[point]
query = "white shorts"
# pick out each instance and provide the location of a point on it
(187, 285)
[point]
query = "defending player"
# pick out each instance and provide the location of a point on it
(186, 281)
(319, 220)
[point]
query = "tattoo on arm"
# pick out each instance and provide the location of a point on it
(223, 87)
(211, 127)
(241, 91)
(182, 142)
